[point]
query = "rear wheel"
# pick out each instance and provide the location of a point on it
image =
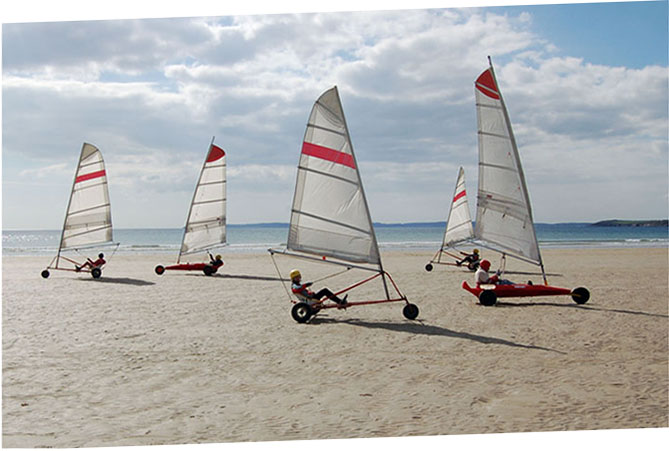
(208, 270)
(45, 273)
(488, 298)
(473, 266)
(301, 312)
(96, 273)
(160, 270)
(428, 267)
(410, 311)
(580, 295)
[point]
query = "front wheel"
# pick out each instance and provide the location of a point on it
(160, 270)
(488, 298)
(580, 295)
(428, 267)
(410, 311)
(45, 273)
(208, 270)
(301, 312)
(96, 273)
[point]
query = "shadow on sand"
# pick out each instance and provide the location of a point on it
(121, 280)
(505, 304)
(237, 276)
(419, 328)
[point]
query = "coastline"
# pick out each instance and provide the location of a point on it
(138, 359)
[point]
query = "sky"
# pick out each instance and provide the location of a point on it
(586, 87)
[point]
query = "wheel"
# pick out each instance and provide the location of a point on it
(473, 266)
(96, 273)
(428, 267)
(580, 295)
(488, 298)
(301, 312)
(410, 311)
(45, 273)
(160, 270)
(208, 270)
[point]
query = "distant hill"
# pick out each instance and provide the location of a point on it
(633, 223)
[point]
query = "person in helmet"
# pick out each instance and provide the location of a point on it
(472, 259)
(303, 293)
(482, 276)
(216, 262)
(92, 264)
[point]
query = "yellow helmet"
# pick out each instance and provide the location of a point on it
(295, 273)
(476, 251)
(218, 256)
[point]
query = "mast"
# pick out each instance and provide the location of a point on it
(364, 198)
(69, 204)
(519, 168)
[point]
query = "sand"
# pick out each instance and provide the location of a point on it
(138, 359)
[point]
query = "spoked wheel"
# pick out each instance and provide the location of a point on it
(96, 273)
(301, 312)
(580, 295)
(428, 267)
(45, 273)
(488, 298)
(208, 270)
(160, 270)
(410, 311)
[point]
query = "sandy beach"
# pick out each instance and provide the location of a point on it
(138, 359)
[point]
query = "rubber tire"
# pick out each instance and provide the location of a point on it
(45, 273)
(580, 295)
(410, 311)
(96, 273)
(160, 270)
(208, 270)
(473, 266)
(428, 267)
(301, 312)
(488, 298)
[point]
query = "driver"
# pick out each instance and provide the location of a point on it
(482, 277)
(303, 293)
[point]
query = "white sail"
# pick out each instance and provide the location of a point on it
(88, 217)
(205, 225)
(330, 216)
(459, 226)
(504, 213)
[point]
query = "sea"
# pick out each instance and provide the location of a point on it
(255, 238)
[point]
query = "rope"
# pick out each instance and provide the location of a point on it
(290, 298)
(332, 275)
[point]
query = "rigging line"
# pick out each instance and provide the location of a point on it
(325, 174)
(325, 129)
(332, 275)
(283, 282)
(341, 224)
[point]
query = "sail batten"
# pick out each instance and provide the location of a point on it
(459, 222)
(329, 216)
(504, 212)
(206, 222)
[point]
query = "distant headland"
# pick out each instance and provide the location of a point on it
(632, 223)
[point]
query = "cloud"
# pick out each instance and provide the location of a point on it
(152, 93)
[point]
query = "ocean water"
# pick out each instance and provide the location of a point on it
(257, 238)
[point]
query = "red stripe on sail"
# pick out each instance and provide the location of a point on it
(486, 84)
(215, 153)
(461, 194)
(325, 153)
(92, 175)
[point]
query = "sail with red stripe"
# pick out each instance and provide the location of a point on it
(330, 216)
(504, 213)
(206, 221)
(88, 216)
(459, 226)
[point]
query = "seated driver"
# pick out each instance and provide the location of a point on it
(303, 293)
(482, 277)
(92, 264)
(216, 261)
